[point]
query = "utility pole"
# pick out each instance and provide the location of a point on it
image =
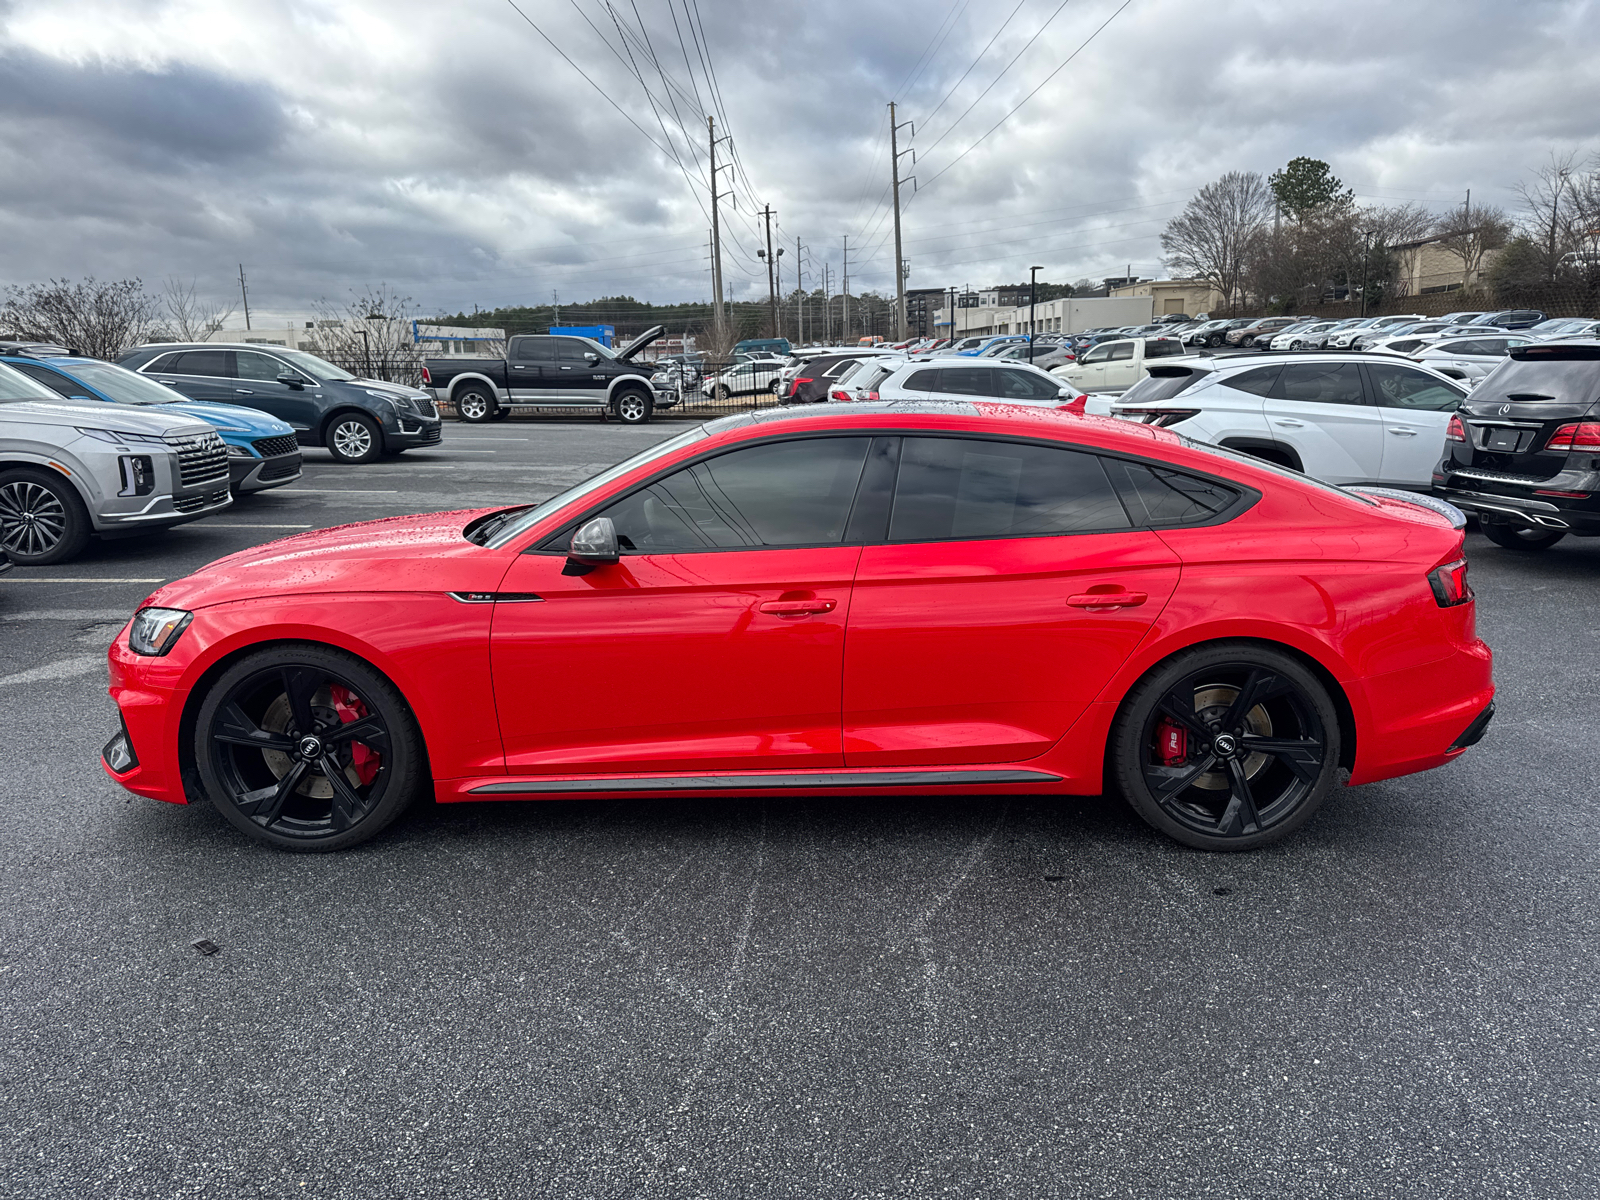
(899, 267)
(952, 317)
(1033, 301)
(245, 296)
(721, 317)
(772, 287)
(844, 298)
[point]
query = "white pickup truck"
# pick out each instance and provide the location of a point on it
(1114, 367)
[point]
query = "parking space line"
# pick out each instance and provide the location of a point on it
(338, 491)
(75, 579)
(230, 525)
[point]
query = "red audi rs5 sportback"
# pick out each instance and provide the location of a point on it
(905, 598)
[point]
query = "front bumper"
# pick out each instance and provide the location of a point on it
(408, 429)
(164, 512)
(258, 474)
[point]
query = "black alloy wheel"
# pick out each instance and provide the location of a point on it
(1521, 537)
(474, 405)
(1214, 340)
(1228, 747)
(354, 438)
(307, 748)
(42, 519)
(632, 407)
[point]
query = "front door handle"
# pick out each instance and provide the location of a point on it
(798, 608)
(1290, 423)
(243, 392)
(1107, 600)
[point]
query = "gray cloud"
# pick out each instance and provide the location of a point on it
(449, 151)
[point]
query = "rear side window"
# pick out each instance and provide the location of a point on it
(1156, 496)
(923, 381)
(778, 494)
(1257, 382)
(839, 368)
(1120, 351)
(951, 488)
(965, 381)
(1320, 383)
(1162, 349)
(204, 362)
(533, 349)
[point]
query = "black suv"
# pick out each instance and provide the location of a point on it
(356, 419)
(1523, 450)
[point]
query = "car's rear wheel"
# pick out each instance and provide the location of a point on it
(500, 413)
(474, 405)
(1521, 537)
(307, 748)
(354, 438)
(1227, 747)
(42, 519)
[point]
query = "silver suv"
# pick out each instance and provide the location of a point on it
(72, 471)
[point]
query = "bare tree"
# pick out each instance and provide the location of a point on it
(1469, 234)
(187, 317)
(1212, 238)
(101, 320)
(1550, 210)
(370, 333)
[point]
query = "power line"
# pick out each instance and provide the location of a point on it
(974, 62)
(1035, 91)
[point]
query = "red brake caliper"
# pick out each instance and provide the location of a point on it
(1172, 743)
(349, 707)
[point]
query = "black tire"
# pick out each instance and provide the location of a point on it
(499, 414)
(632, 406)
(721, 392)
(250, 740)
(474, 405)
(1214, 340)
(1521, 537)
(354, 438)
(1255, 753)
(42, 518)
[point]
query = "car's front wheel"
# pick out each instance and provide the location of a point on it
(42, 518)
(1521, 537)
(632, 407)
(307, 748)
(1227, 747)
(354, 438)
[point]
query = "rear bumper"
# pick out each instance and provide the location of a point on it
(1520, 505)
(1426, 716)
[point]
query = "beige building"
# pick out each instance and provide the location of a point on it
(308, 334)
(1191, 296)
(1425, 266)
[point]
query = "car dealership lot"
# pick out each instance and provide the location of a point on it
(785, 997)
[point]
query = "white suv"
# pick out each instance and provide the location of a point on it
(939, 377)
(1342, 418)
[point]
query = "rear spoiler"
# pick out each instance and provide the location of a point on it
(1457, 518)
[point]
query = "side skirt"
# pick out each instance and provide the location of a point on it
(765, 782)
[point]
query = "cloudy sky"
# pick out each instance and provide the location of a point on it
(450, 151)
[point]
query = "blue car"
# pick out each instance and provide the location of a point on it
(1003, 340)
(262, 450)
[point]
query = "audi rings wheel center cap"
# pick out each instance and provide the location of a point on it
(310, 747)
(1225, 745)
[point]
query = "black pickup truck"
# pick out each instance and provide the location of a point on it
(550, 371)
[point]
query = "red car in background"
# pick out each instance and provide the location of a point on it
(903, 597)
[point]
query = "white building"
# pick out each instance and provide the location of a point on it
(308, 333)
(1072, 314)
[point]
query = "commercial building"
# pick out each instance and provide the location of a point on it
(1189, 296)
(1072, 314)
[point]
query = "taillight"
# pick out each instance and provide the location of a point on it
(1581, 435)
(838, 394)
(869, 395)
(1449, 584)
(798, 381)
(1159, 417)
(427, 378)
(1455, 431)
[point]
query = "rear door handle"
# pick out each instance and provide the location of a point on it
(1093, 600)
(243, 392)
(798, 608)
(1290, 423)
(1400, 432)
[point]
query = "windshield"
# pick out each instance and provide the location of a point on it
(14, 385)
(528, 519)
(122, 385)
(317, 368)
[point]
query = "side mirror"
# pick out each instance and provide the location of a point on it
(591, 356)
(594, 543)
(293, 380)
(1066, 393)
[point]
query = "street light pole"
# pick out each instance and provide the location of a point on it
(1366, 238)
(1033, 301)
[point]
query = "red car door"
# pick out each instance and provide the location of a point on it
(1009, 589)
(715, 644)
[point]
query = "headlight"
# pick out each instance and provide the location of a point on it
(111, 435)
(156, 630)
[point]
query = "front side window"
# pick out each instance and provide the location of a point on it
(261, 367)
(14, 385)
(1098, 355)
(951, 488)
(1403, 387)
(1320, 383)
(119, 384)
(1024, 385)
(777, 494)
(571, 350)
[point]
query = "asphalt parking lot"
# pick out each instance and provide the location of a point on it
(790, 998)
